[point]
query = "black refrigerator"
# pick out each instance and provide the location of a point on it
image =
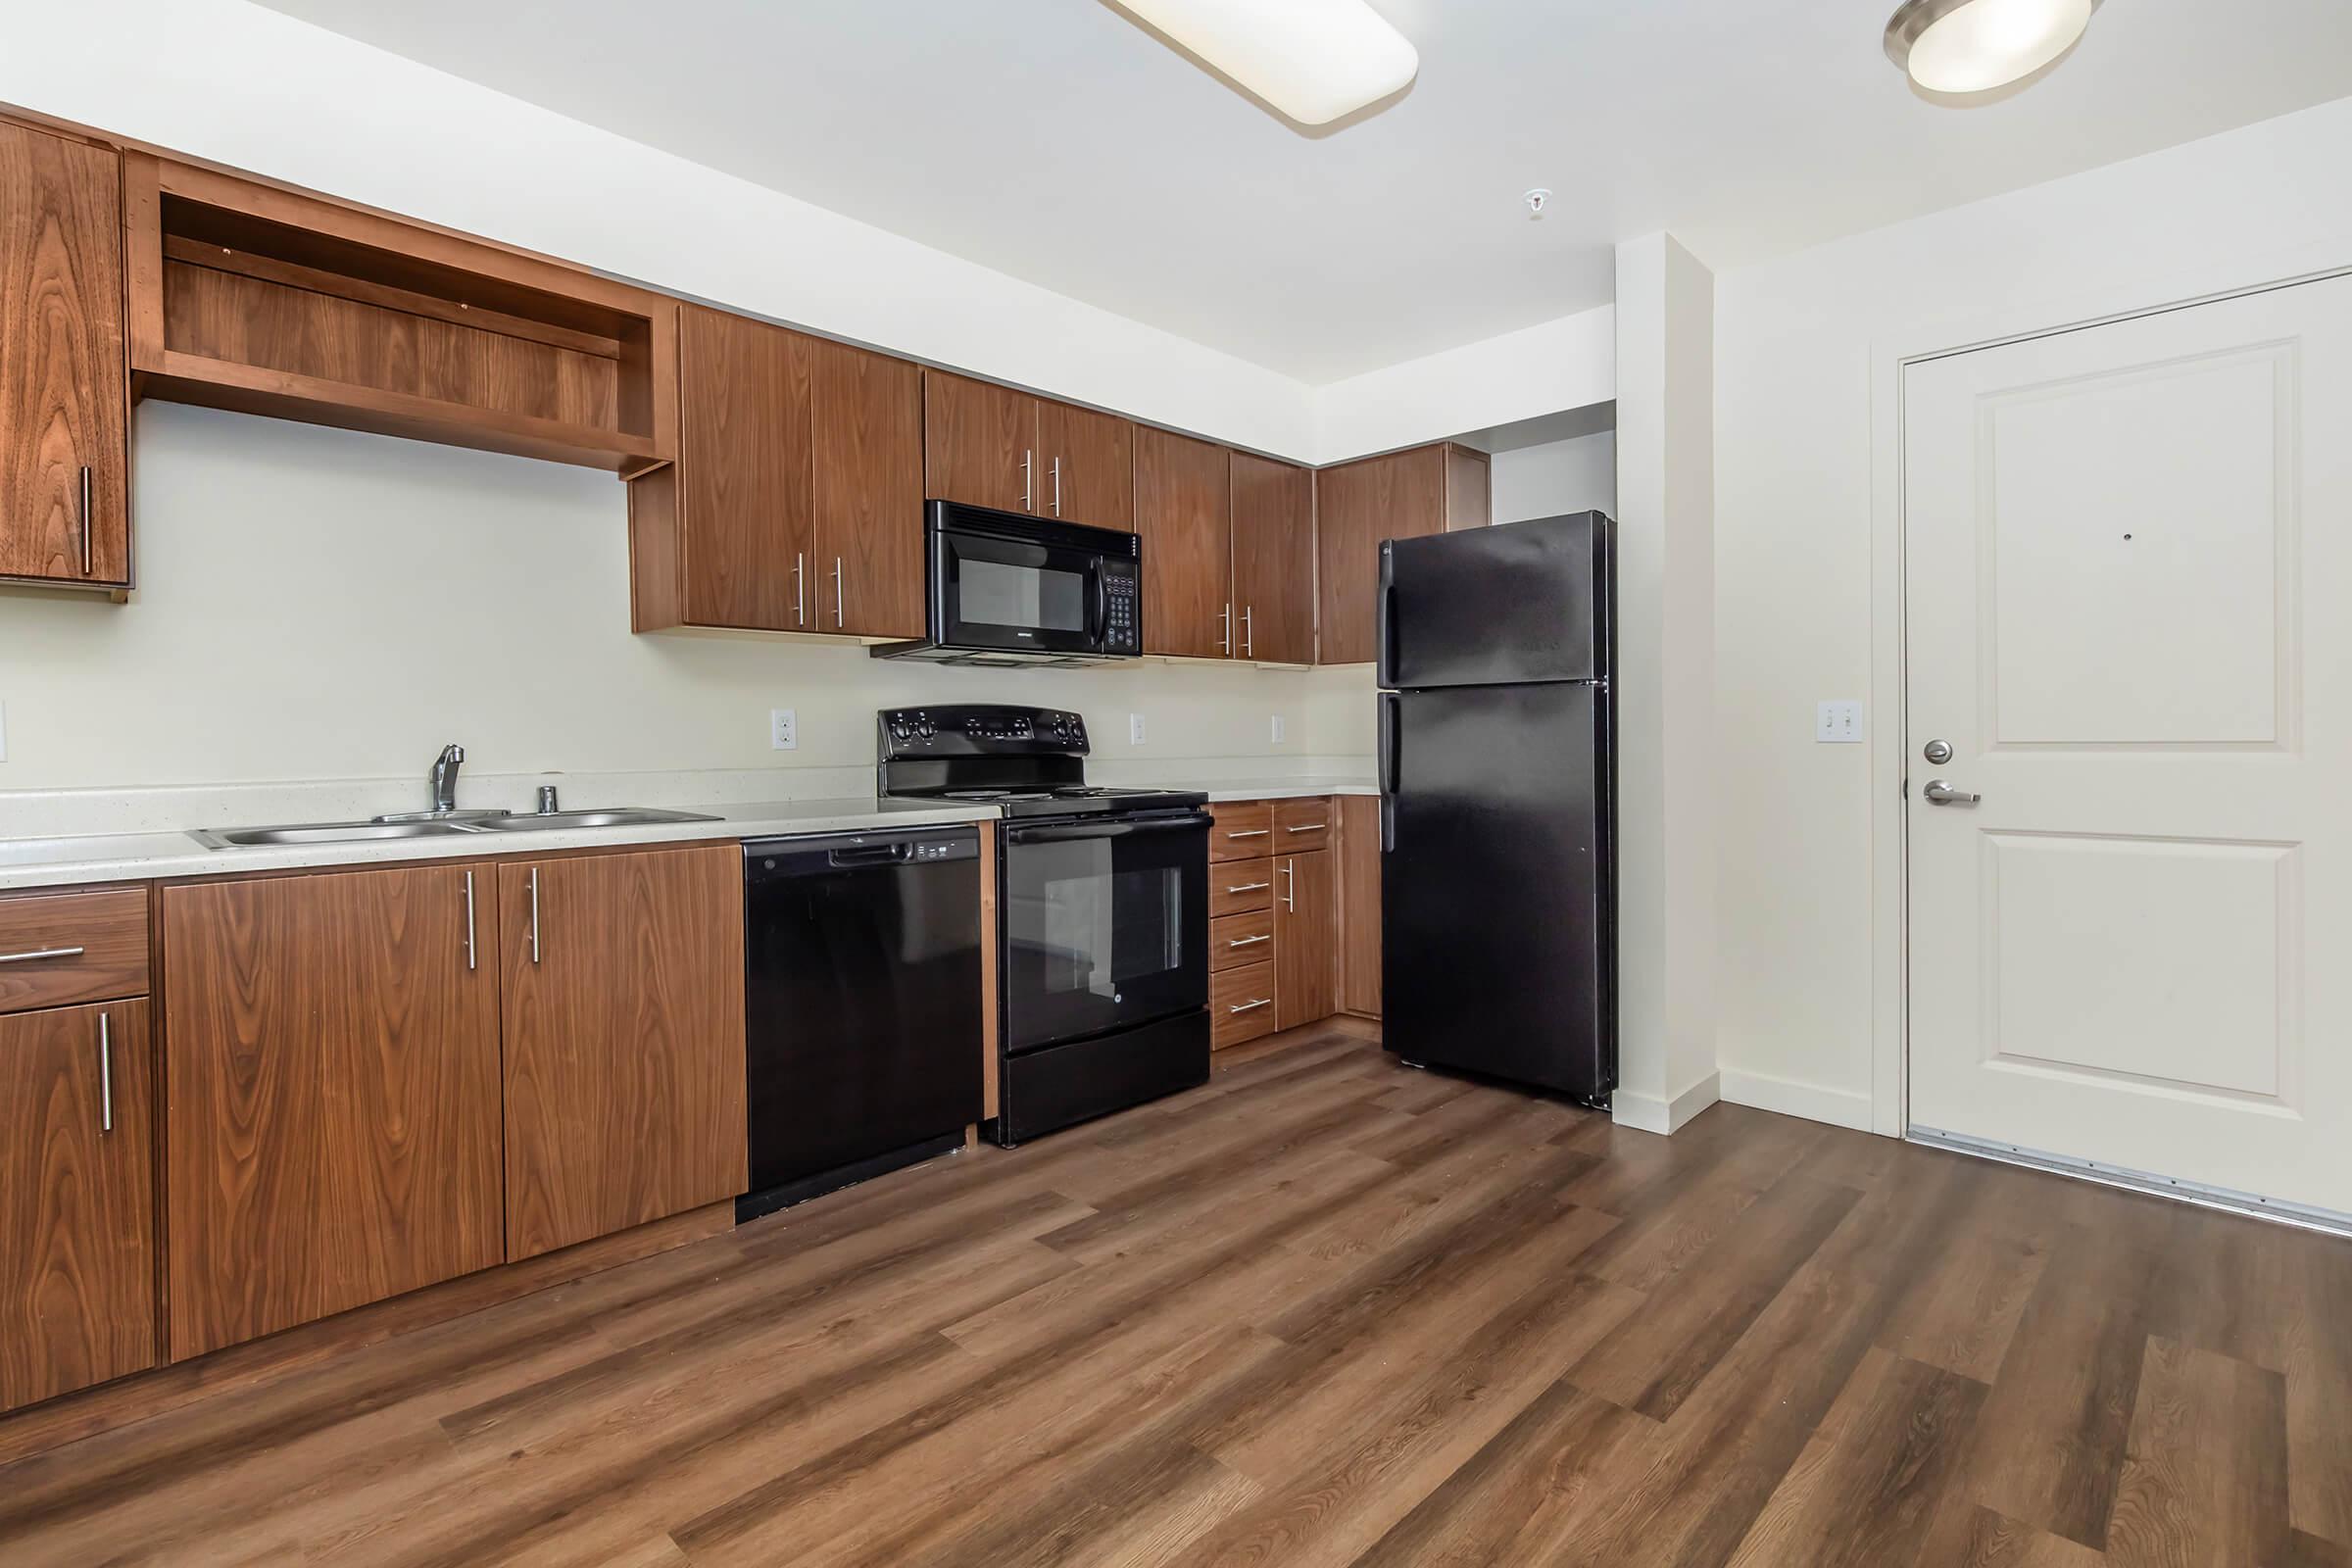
(1497, 890)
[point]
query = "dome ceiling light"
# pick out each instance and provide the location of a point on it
(1312, 60)
(1959, 47)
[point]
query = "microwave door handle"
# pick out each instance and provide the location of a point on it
(1102, 605)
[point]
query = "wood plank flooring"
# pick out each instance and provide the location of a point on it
(1324, 1310)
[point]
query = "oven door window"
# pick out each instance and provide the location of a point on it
(1002, 593)
(1105, 927)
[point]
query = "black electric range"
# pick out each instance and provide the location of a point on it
(1103, 909)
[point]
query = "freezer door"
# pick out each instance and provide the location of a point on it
(1497, 911)
(1484, 607)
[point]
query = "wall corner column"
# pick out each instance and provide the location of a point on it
(1667, 772)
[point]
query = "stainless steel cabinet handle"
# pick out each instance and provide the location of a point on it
(1247, 1006)
(1939, 793)
(1251, 833)
(85, 520)
(106, 1075)
(1290, 886)
(1225, 637)
(1248, 887)
(840, 619)
(1028, 455)
(1057, 487)
(800, 588)
(36, 955)
(1243, 942)
(534, 915)
(469, 919)
(1307, 828)
(1249, 633)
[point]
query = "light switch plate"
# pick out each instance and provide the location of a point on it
(1135, 729)
(1838, 723)
(1278, 729)
(783, 729)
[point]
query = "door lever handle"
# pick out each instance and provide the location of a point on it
(1939, 793)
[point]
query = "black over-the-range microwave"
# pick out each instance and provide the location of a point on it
(1006, 588)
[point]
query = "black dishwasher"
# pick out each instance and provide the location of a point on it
(863, 984)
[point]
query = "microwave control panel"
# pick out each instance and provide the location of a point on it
(1125, 634)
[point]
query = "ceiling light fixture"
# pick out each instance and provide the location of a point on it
(1313, 60)
(1972, 46)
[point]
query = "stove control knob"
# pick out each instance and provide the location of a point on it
(925, 729)
(898, 729)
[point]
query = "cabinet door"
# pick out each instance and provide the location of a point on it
(77, 1199)
(625, 1045)
(1274, 559)
(866, 573)
(1086, 467)
(331, 1107)
(64, 458)
(745, 505)
(979, 444)
(1183, 514)
(1358, 868)
(1305, 956)
(1357, 505)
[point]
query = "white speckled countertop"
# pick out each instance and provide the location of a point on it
(70, 860)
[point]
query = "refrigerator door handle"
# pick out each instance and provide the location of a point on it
(1388, 739)
(1384, 608)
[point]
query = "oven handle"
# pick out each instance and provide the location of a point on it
(1118, 828)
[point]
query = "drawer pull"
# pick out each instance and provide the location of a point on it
(38, 954)
(1311, 827)
(1250, 886)
(1251, 833)
(1243, 942)
(1246, 1006)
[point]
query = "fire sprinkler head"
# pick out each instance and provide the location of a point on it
(1535, 200)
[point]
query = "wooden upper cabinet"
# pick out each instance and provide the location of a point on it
(623, 1010)
(77, 1199)
(866, 451)
(1183, 515)
(746, 496)
(1088, 464)
(333, 1093)
(979, 443)
(796, 503)
(1403, 495)
(65, 504)
(1274, 559)
(1306, 939)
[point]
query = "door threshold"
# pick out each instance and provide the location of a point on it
(2277, 1211)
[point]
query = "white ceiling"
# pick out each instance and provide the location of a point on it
(1057, 141)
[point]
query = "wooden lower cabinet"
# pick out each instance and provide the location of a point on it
(331, 1095)
(1306, 950)
(624, 1024)
(1359, 900)
(77, 1199)
(1241, 1004)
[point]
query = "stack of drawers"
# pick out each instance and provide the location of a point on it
(1271, 952)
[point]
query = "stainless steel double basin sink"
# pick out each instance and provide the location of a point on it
(436, 825)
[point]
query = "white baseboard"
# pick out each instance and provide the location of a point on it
(1651, 1115)
(1839, 1107)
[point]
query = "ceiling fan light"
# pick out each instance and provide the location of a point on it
(1968, 46)
(1313, 60)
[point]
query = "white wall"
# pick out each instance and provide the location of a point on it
(1668, 775)
(250, 87)
(1568, 363)
(1578, 474)
(321, 605)
(1798, 343)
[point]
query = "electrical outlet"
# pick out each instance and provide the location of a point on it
(1278, 729)
(783, 729)
(1135, 729)
(1838, 723)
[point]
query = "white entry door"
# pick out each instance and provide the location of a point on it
(2129, 579)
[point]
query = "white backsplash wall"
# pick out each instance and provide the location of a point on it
(320, 605)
